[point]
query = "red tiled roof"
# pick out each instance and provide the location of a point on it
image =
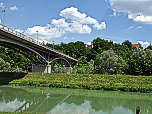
(135, 46)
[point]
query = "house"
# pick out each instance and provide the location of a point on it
(135, 46)
(89, 46)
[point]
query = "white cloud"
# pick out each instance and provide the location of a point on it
(45, 32)
(137, 10)
(13, 8)
(76, 27)
(11, 106)
(143, 43)
(2, 5)
(78, 23)
(131, 27)
(143, 19)
(80, 19)
(65, 37)
(115, 42)
(60, 23)
(100, 27)
(88, 43)
(114, 12)
(139, 27)
(72, 38)
(72, 13)
(0, 21)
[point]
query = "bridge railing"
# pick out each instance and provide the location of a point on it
(28, 38)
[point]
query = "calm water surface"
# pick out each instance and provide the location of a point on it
(72, 101)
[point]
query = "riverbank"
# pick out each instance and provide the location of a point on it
(16, 113)
(88, 81)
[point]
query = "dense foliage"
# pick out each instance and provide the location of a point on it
(104, 58)
(5, 66)
(88, 81)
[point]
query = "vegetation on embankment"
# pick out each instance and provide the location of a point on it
(6, 77)
(16, 113)
(88, 81)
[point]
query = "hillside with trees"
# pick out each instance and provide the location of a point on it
(104, 58)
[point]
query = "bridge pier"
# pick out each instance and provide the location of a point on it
(41, 68)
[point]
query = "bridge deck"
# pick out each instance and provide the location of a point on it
(8, 32)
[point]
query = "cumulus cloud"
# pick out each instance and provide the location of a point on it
(80, 20)
(72, 38)
(137, 10)
(76, 27)
(100, 27)
(2, 5)
(45, 32)
(77, 23)
(13, 8)
(143, 43)
(60, 23)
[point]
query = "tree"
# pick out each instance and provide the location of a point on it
(91, 66)
(129, 44)
(82, 61)
(64, 69)
(5, 66)
(149, 47)
(112, 63)
(140, 62)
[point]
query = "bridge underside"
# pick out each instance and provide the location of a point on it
(36, 55)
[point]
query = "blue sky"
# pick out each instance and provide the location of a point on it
(80, 20)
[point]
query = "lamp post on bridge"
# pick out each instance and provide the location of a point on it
(37, 37)
(53, 44)
(4, 17)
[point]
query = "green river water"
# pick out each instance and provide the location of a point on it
(46, 100)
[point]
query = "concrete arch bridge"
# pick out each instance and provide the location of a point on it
(35, 51)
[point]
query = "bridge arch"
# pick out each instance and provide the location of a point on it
(25, 47)
(36, 51)
(60, 58)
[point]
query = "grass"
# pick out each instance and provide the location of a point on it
(88, 81)
(4, 112)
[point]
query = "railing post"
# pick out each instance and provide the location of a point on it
(138, 110)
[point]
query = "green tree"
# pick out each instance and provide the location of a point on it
(82, 61)
(90, 67)
(128, 43)
(140, 62)
(56, 69)
(5, 66)
(64, 69)
(149, 47)
(112, 63)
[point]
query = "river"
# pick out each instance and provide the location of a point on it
(72, 101)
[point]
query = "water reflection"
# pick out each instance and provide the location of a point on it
(67, 101)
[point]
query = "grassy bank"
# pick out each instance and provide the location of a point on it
(16, 113)
(88, 81)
